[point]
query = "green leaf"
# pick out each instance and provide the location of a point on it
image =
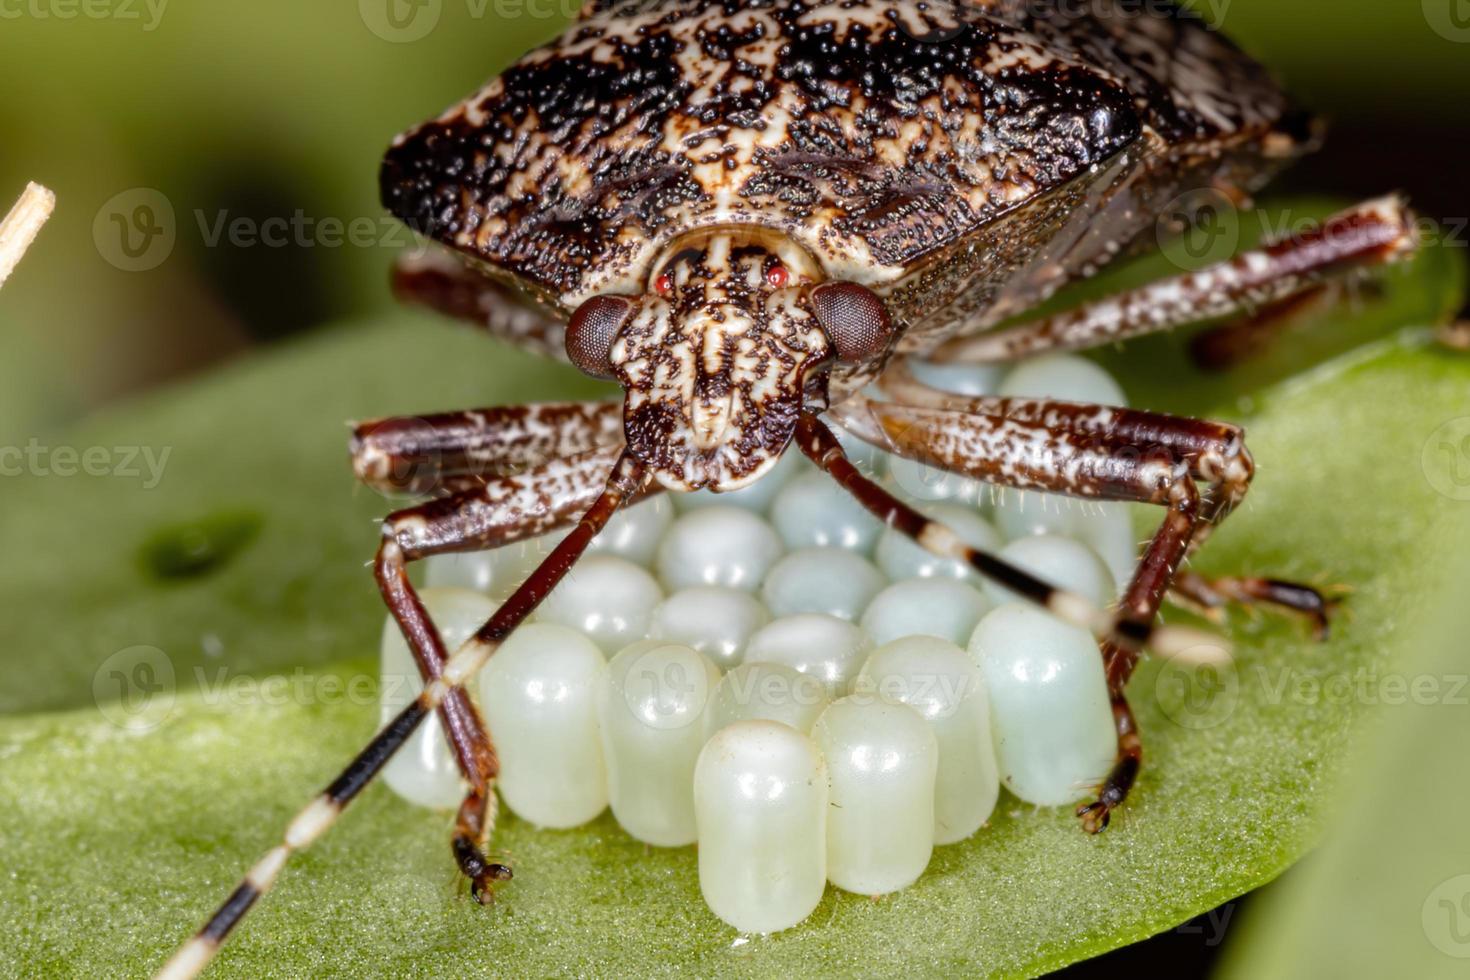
(1392, 873)
(241, 563)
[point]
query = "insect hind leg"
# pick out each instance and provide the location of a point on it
(1370, 235)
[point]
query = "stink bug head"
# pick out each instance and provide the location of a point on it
(733, 337)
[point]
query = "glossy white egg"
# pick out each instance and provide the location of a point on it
(716, 621)
(651, 715)
(634, 532)
(539, 695)
(938, 680)
(882, 760)
(829, 649)
(766, 692)
(724, 546)
(609, 599)
(760, 797)
(812, 511)
(942, 607)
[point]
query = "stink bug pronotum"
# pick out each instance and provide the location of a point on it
(748, 213)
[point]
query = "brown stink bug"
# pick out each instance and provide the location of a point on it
(748, 213)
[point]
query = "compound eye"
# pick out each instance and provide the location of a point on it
(592, 330)
(855, 320)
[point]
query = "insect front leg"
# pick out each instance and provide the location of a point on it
(436, 454)
(1371, 234)
(1089, 452)
(626, 481)
(503, 511)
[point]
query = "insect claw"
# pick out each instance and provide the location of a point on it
(1095, 816)
(482, 888)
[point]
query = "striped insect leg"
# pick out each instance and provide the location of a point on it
(1083, 451)
(626, 480)
(502, 511)
(1372, 234)
(1215, 453)
(1130, 633)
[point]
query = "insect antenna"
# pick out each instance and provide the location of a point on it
(321, 813)
(818, 443)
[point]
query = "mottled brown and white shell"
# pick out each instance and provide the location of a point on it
(961, 158)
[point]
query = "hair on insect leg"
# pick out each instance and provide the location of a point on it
(817, 442)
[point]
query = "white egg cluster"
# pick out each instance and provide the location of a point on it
(774, 675)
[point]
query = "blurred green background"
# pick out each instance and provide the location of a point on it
(279, 110)
(274, 114)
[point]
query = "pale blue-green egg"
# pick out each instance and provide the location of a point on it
(725, 546)
(714, 620)
(1060, 562)
(812, 511)
(1104, 526)
(634, 532)
(1064, 377)
(1050, 711)
(961, 379)
(942, 607)
(822, 580)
